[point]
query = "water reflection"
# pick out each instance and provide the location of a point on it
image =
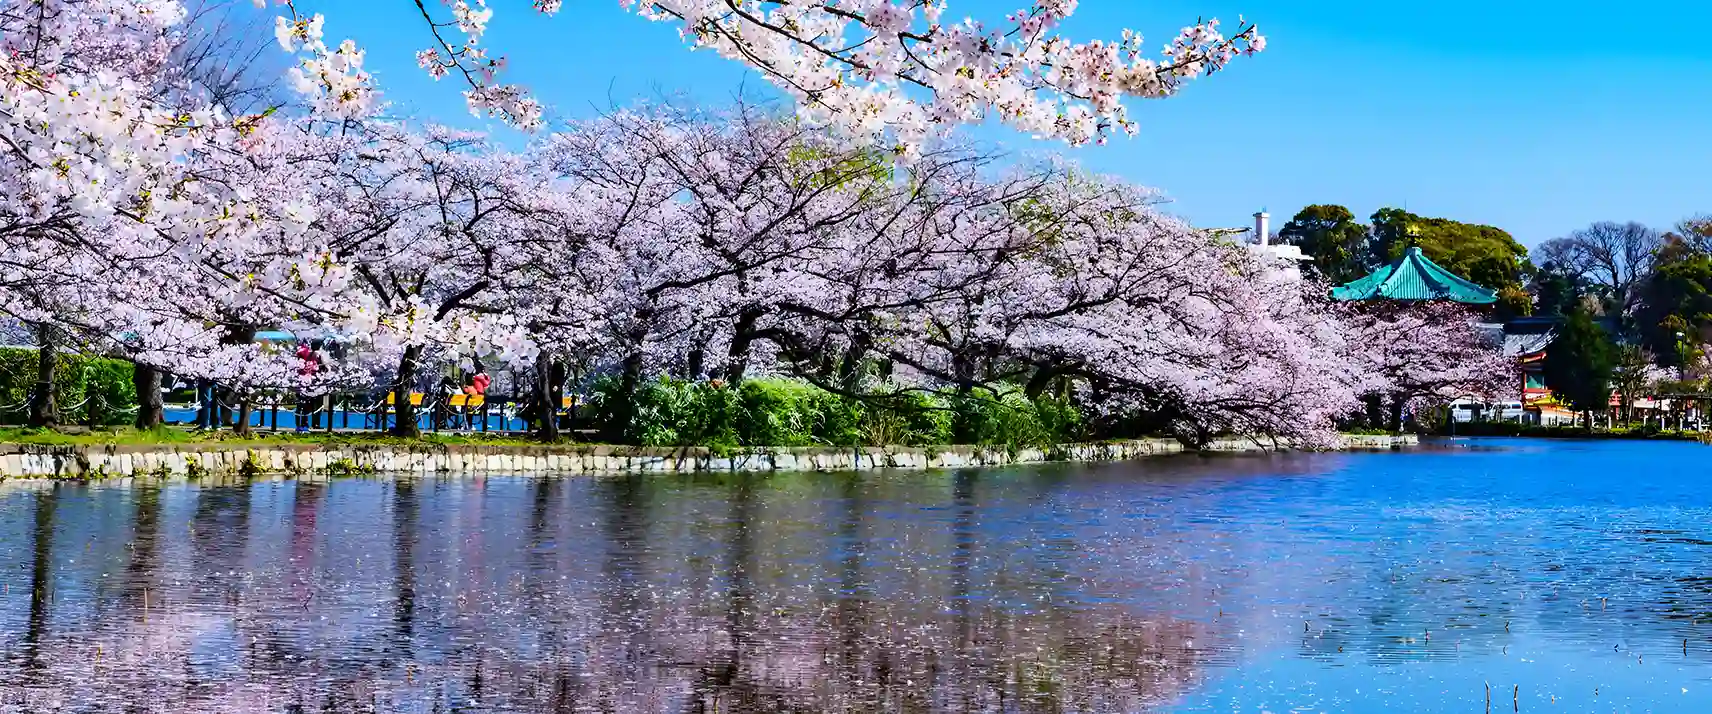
(1331, 582)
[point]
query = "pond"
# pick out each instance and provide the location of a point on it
(1548, 576)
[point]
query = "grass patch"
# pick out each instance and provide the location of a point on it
(126, 436)
(1638, 432)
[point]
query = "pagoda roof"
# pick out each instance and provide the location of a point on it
(1414, 277)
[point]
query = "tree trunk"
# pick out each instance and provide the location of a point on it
(1375, 410)
(742, 336)
(150, 411)
(625, 410)
(850, 372)
(1037, 384)
(1396, 421)
(44, 409)
(223, 398)
(963, 371)
(241, 426)
(546, 399)
(694, 364)
(405, 422)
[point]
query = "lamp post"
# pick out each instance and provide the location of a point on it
(1681, 357)
(1681, 376)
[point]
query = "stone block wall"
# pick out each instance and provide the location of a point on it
(29, 461)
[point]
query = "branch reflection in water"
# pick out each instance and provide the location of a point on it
(1316, 581)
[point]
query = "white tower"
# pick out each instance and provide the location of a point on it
(1262, 228)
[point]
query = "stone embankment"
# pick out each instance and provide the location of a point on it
(30, 461)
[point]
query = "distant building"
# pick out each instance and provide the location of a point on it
(1526, 339)
(1260, 241)
(1414, 277)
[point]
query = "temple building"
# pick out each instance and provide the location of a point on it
(1525, 340)
(1414, 277)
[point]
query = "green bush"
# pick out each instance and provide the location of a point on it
(1012, 419)
(786, 412)
(76, 378)
(908, 419)
(1061, 420)
(775, 412)
(668, 412)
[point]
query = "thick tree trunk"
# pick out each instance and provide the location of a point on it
(44, 409)
(150, 411)
(963, 370)
(546, 399)
(743, 335)
(850, 372)
(223, 399)
(241, 426)
(405, 422)
(1037, 384)
(625, 411)
(694, 364)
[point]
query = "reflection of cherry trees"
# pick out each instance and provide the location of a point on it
(1065, 589)
(619, 595)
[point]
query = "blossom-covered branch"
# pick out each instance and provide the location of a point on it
(887, 72)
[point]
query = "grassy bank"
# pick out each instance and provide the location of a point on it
(170, 435)
(1567, 432)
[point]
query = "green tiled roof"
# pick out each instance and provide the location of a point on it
(1413, 277)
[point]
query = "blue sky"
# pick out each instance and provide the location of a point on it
(1534, 117)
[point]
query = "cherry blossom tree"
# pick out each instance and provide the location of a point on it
(123, 180)
(859, 66)
(1430, 352)
(142, 220)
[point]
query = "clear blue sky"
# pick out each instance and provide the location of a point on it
(1534, 117)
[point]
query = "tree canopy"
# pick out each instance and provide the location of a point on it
(1333, 238)
(1484, 254)
(1556, 289)
(1677, 298)
(1579, 363)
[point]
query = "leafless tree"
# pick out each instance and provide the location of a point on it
(227, 56)
(1615, 257)
(1695, 233)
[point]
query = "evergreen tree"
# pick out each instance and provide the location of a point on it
(1676, 306)
(1579, 363)
(1333, 238)
(1557, 289)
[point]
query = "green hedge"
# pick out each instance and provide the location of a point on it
(76, 378)
(785, 412)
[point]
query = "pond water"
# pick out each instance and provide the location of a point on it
(1548, 576)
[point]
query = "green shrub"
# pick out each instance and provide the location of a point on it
(908, 419)
(76, 377)
(838, 420)
(1010, 418)
(771, 411)
(776, 412)
(668, 412)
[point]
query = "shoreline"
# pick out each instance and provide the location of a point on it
(184, 461)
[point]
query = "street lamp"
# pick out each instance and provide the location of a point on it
(1681, 358)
